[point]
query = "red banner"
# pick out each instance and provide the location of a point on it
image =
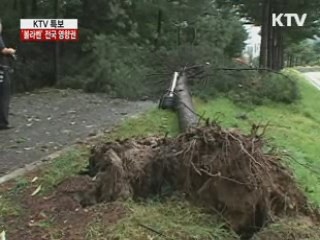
(44, 35)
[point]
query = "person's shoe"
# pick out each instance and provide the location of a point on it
(5, 127)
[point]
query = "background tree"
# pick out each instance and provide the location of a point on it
(121, 42)
(274, 40)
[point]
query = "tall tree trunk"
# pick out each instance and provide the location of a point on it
(159, 29)
(179, 36)
(34, 7)
(281, 51)
(278, 56)
(21, 5)
(286, 60)
(290, 61)
(23, 9)
(264, 34)
(275, 49)
(294, 61)
(270, 45)
(278, 50)
(56, 48)
(15, 5)
(271, 53)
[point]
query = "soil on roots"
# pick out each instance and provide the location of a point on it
(225, 171)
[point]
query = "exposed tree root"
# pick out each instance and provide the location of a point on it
(224, 171)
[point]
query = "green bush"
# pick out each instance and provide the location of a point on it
(250, 87)
(262, 88)
(280, 88)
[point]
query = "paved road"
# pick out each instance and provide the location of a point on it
(47, 121)
(314, 78)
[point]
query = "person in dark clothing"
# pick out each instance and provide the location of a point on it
(5, 53)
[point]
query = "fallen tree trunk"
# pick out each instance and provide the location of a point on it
(186, 112)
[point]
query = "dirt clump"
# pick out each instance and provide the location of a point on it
(80, 189)
(223, 170)
(125, 168)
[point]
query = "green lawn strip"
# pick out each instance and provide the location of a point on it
(154, 122)
(67, 165)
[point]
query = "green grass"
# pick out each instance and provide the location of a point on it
(64, 166)
(154, 122)
(8, 207)
(21, 184)
(172, 219)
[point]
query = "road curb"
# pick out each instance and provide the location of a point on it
(49, 158)
(32, 166)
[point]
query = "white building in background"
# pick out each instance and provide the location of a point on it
(253, 43)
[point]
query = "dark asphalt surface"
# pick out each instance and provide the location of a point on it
(49, 120)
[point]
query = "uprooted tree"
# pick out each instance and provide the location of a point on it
(223, 171)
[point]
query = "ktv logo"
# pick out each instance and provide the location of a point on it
(288, 19)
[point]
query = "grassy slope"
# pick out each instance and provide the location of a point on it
(292, 127)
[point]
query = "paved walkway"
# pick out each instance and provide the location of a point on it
(49, 120)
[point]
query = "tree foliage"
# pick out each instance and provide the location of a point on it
(304, 53)
(121, 42)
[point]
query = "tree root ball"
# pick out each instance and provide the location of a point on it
(225, 171)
